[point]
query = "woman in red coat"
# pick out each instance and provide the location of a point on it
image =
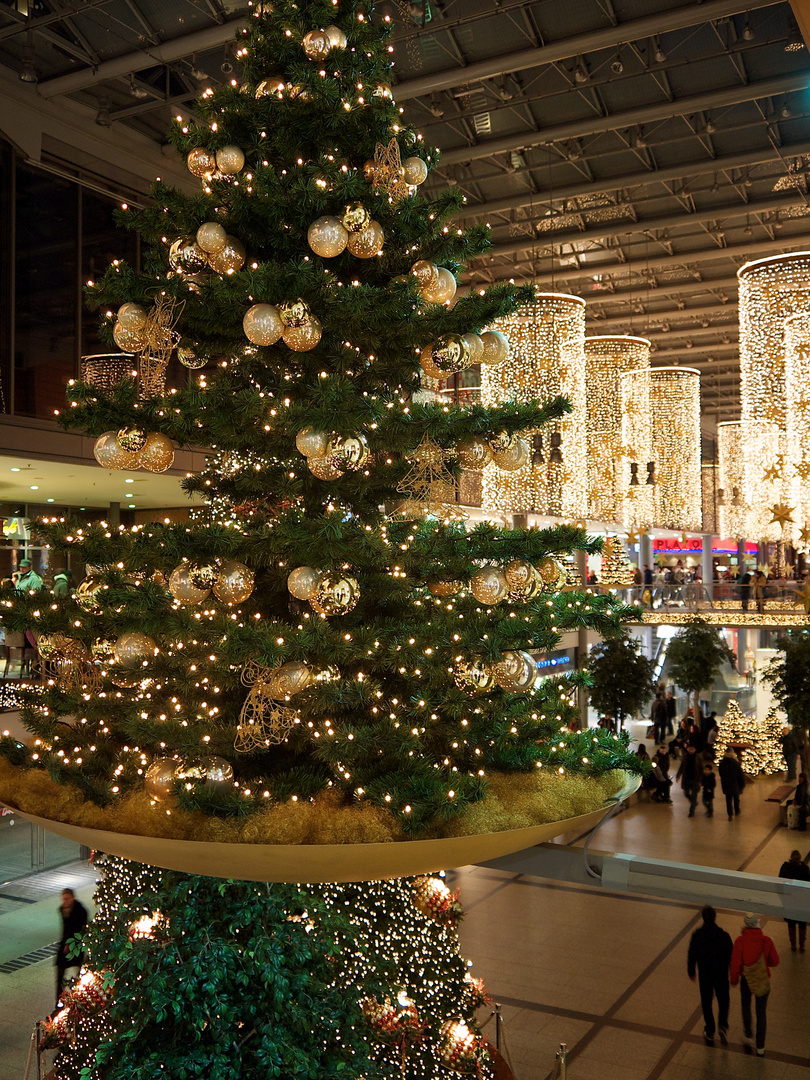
(752, 958)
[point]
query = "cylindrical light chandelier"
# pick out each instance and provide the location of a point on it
(607, 359)
(733, 507)
(636, 469)
(797, 433)
(711, 510)
(675, 409)
(547, 359)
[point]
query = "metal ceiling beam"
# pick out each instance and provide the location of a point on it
(605, 38)
(642, 114)
(695, 355)
(24, 24)
(675, 315)
(149, 56)
(554, 238)
(633, 180)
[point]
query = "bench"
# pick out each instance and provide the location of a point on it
(784, 796)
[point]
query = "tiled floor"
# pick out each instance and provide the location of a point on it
(570, 964)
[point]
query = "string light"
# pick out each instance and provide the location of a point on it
(675, 408)
(797, 432)
(733, 508)
(763, 751)
(637, 509)
(547, 359)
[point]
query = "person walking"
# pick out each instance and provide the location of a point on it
(797, 870)
(689, 774)
(74, 920)
(708, 783)
(658, 716)
(710, 953)
(672, 707)
(732, 781)
(752, 958)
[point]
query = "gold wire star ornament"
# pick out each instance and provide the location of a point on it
(781, 514)
(803, 596)
(389, 176)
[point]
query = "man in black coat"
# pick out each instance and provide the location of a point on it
(710, 952)
(732, 781)
(74, 920)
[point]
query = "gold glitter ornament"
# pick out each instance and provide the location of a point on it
(183, 589)
(291, 678)
(87, 594)
(159, 778)
(355, 217)
(316, 45)
(513, 458)
(294, 313)
(230, 160)
(450, 354)
(158, 453)
(202, 575)
(303, 582)
(312, 443)
(443, 291)
(131, 316)
(131, 439)
(474, 452)
(327, 237)
(109, 454)
(303, 338)
(214, 773)
(128, 340)
(190, 359)
(229, 258)
(324, 468)
(262, 722)
(134, 650)
(336, 594)
(234, 582)
(488, 585)
(211, 237)
(389, 176)
(473, 677)
(201, 162)
(368, 243)
(496, 348)
(187, 257)
(426, 273)
(262, 324)
(349, 453)
(415, 171)
(516, 672)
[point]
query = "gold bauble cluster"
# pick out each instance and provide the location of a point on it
(230, 581)
(329, 455)
(133, 448)
(328, 592)
(291, 321)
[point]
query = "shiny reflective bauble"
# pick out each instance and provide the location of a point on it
(355, 217)
(190, 359)
(324, 468)
(450, 353)
(303, 582)
(316, 45)
(337, 39)
(186, 256)
(472, 677)
(368, 243)
(214, 773)
(128, 340)
(514, 457)
(429, 368)
(474, 452)
(294, 312)
(515, 672)
(131, 439)
(234, 582)
(488, 585)
(443, 291)
(132, 316)
(312, 443)
(183, 589)
(45, 646)
(501, 441)
(211, 236)
(528, 591)
(496, 348)
(271, 87)
(303, 338)
(476, 347)
(518, 573)
(103, 651)
(368, 170)
(201, 162)
(158, 453)
(383, 90)
(229, 258)
(262, 324)
(202, 575)
(337, 594)
(327, 237)
(230, 160)
(349, 453)
(109, 454)
(415, 171)
(290, 678)
(87, 594)
(134, 650)
(445, 588)
(552, 575)
(159, 778)
(426, 273)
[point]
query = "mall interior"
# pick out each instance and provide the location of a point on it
(645, 167)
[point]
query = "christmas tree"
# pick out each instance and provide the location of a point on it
(763, 752)
(617, 570)
(325, 652)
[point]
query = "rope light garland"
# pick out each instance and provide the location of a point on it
(675, 409)
(547, 358)
(611, 441)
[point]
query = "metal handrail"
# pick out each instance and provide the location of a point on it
(779, 597)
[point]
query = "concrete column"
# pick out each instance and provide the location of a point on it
(114, 515)
(582, 640)
(706, 566)
(645, 550)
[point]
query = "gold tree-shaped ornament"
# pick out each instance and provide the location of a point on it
(429, 485)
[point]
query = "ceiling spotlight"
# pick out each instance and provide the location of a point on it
(711, 127)
(748, 33)
(795, 41)
(103, 114)
(639, 141)
(197, 72)
(504, 93)
(28, 72)
(617, 67)
(137, 91)
(786, 111)
(226, 67)
(660, 55)
(581, 72)
(574, 151)
(435, 107)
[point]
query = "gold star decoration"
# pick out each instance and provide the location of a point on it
(803, 596)
(632, 537)
(781, 514)
(771, 473)
(804, 535)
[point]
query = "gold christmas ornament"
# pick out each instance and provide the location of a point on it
(496, 348)
(429, 368)
(476, 347)
(214, 773)
(159, 778)
(161, 339)
(324, 468)
(501, 442)
(183, 589)
(109, 454)
(128, 340)
(234, 582)
(336, 594)
(303, 582)
(368, 243)
(337, 39)
(187, 257)
(202, 575)
(445, 588)
(515, 672)
(201, 162)
(513, 458)
(474, 452)
(158, 453)
(316, 45)
(426, 273)
(327, 237)
(369, 170)
(415, 171)
(444, 289)
(388, 173)
(87, 594)
(473, 677)
(134, 650)
(294, 313)
(450, 353)
(262, 324)
(271, 87)
(229, 258)
(349, 453)
(488, 585)
(230, 160)
(429, 485)
(211, 237)
(291, 678)
(303, 338)
(190, 359)
(103, 651)
(132, 316)
(131, 439)
(383, 90)
(312, 443)
(519, 573)
(552, 575)
(355, 217)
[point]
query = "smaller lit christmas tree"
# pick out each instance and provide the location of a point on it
(764, 750)
(617, 570)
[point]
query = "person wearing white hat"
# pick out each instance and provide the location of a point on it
(752, 958)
